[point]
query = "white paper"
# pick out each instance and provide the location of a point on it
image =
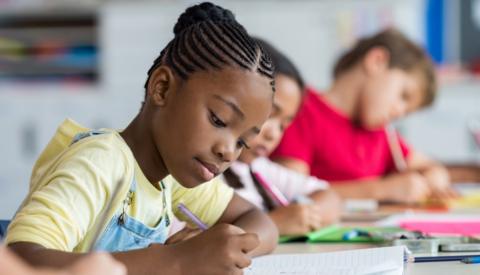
(371, 261)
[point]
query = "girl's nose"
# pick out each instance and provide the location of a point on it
(225, 150)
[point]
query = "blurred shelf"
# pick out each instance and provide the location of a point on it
(49, 46)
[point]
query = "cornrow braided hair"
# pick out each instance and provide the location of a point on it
(208, 37)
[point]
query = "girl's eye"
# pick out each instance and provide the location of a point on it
(242, 144)
(216, 121)
(405, 96)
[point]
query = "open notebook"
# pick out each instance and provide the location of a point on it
(371, 261)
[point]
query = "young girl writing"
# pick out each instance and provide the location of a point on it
(339, 135)
(207, 95)
(294, 218)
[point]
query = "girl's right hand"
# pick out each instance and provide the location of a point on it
(297, 219)
(222, 249)
(408, 187)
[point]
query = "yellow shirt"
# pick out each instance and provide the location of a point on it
(70, 187)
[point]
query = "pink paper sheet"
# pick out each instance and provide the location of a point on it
(464, 228)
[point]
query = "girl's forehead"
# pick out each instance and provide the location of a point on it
(249, 90)
(230, 76)
(232, 82)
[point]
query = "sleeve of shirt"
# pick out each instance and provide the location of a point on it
(58, 214)
(207, 201)
(289, 182)
(296, 142)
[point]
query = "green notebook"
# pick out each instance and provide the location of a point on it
(335, 233)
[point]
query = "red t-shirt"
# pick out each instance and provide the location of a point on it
(335, 148)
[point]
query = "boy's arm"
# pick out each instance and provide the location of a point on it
(245, 215)
(408, 187)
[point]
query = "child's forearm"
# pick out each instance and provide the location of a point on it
(153, 260)
(360, 189)
(255, 221)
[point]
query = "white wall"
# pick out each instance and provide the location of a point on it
(132, 34)
(441, 131)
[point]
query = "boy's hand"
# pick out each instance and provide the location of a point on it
(221, 249)
(183, 235)
(297, 218)
(408, 187)
(438, 180)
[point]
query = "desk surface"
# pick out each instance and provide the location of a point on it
(439, 268)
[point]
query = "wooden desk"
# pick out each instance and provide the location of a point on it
(440, 268)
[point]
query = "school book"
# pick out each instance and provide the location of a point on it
(370, 261)
(336, 234)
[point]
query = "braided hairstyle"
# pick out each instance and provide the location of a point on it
(208, 37)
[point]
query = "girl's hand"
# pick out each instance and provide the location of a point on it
(298, 218)
(330, 204)
(221, 249)
(183, 235)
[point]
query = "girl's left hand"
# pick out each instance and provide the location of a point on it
(183, 235)
(331, 204)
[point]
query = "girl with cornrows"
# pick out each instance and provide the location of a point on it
(207, 96)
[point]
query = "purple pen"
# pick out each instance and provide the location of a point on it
(192, 217)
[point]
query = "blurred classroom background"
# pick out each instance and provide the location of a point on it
(87, 60)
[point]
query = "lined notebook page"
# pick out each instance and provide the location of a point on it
(371, 261)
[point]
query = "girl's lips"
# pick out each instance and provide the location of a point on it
(207, 170)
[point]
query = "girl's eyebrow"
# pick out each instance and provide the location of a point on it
(236, 109)
(232, 105)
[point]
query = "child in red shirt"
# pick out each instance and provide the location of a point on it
(339, 135)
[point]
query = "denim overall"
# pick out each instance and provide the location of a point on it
(124, 232)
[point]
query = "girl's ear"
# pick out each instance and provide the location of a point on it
(376, 60)
(161, 86)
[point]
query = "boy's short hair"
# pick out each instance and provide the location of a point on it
(404, 54)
